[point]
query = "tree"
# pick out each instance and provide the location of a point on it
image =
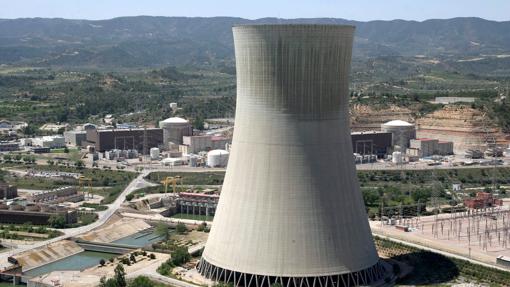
(79, 164)
(141, 281)
(28, 130)
(180, 256)
(163, 230)
(120, 276)
(198, 123)
(102, 262)
(57, 221)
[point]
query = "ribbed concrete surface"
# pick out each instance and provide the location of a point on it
(290, 203)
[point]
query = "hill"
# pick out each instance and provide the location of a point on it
(162, 41)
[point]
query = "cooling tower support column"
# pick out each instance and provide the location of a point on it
(291, 211)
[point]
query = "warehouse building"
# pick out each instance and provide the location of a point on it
(124, 139)
(371, 142)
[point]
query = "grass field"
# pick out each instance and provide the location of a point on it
(191, 178)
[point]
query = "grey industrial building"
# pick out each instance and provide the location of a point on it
(35, 214)
(197, 203)
(402, 132)
(428, 147)
(174, 129)
(8, 191)
(75, 137)
(124, 139)
(371, 142)
(58, 195)
(9, 146)
(291, 210)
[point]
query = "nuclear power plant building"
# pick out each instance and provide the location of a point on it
(291, 211)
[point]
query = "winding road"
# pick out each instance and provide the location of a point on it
(137, 183)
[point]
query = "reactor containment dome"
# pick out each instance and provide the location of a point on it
(291, 210)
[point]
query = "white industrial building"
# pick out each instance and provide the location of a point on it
(56, 141)
(196, 144)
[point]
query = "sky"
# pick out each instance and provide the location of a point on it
(361, 10)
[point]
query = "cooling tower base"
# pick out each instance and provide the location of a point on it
(364, 277)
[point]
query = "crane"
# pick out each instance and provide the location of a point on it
(171, 180)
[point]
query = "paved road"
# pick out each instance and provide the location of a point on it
(137, 183)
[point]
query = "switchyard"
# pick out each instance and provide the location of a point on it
(481, 234)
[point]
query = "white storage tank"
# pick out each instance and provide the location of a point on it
(217, 158)
(154, 153)
(402, 132)
(172, 161)
(397, 157)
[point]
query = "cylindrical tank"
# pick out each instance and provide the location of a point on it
(402, 132)
(397, 157)
(291, 209)
(154, 153)
(174, 129)
(217, 158)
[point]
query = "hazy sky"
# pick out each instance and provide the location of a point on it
(353, 9)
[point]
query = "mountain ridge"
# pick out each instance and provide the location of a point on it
(152, 41)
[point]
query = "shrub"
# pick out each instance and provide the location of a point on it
(181, 228)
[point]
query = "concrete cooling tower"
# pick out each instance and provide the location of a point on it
(291, 211)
